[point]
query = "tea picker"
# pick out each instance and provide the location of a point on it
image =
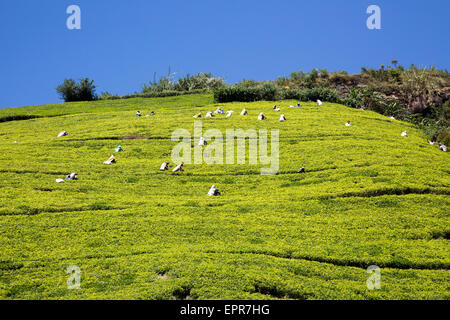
(213, 191)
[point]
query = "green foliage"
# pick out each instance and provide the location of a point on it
(108, 96)
(247, 83)
(83, 90)
(201, 81)
(324, 94)
(270, 92)
(369, 196)
(442, 114)
(444, 138)
(237, 93)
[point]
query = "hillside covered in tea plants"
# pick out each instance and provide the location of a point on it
(369, 196)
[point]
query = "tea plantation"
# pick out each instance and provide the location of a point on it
(368, 197)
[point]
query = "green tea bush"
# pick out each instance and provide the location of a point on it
(351, 102)
(18, 117)
(270, 92)
(236, 93)
(294, 94)
(324, 94)
(369, 196)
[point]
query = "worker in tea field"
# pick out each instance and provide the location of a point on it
(72, 176)
(178, 168)
(111, 160)
(213, 191)
(202, 142)
(164, 166)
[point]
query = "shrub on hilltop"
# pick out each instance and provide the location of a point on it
(83, 90)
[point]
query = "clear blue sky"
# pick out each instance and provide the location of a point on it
(122, 43)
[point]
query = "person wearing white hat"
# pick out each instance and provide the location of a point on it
(111, 160)
(72, 176)
(209, 114)
(213, 191)
(282, 118)
(244, 112)
(62, 134)
(178, 168)
(261, 116)
(202, 142)
(218, 110)
(442, 147)
(229, 113)
(164, 166)
(319, 103)
(404, 134)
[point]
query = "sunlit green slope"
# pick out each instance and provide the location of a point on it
(369, 197)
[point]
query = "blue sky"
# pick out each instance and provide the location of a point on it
(122, 43)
